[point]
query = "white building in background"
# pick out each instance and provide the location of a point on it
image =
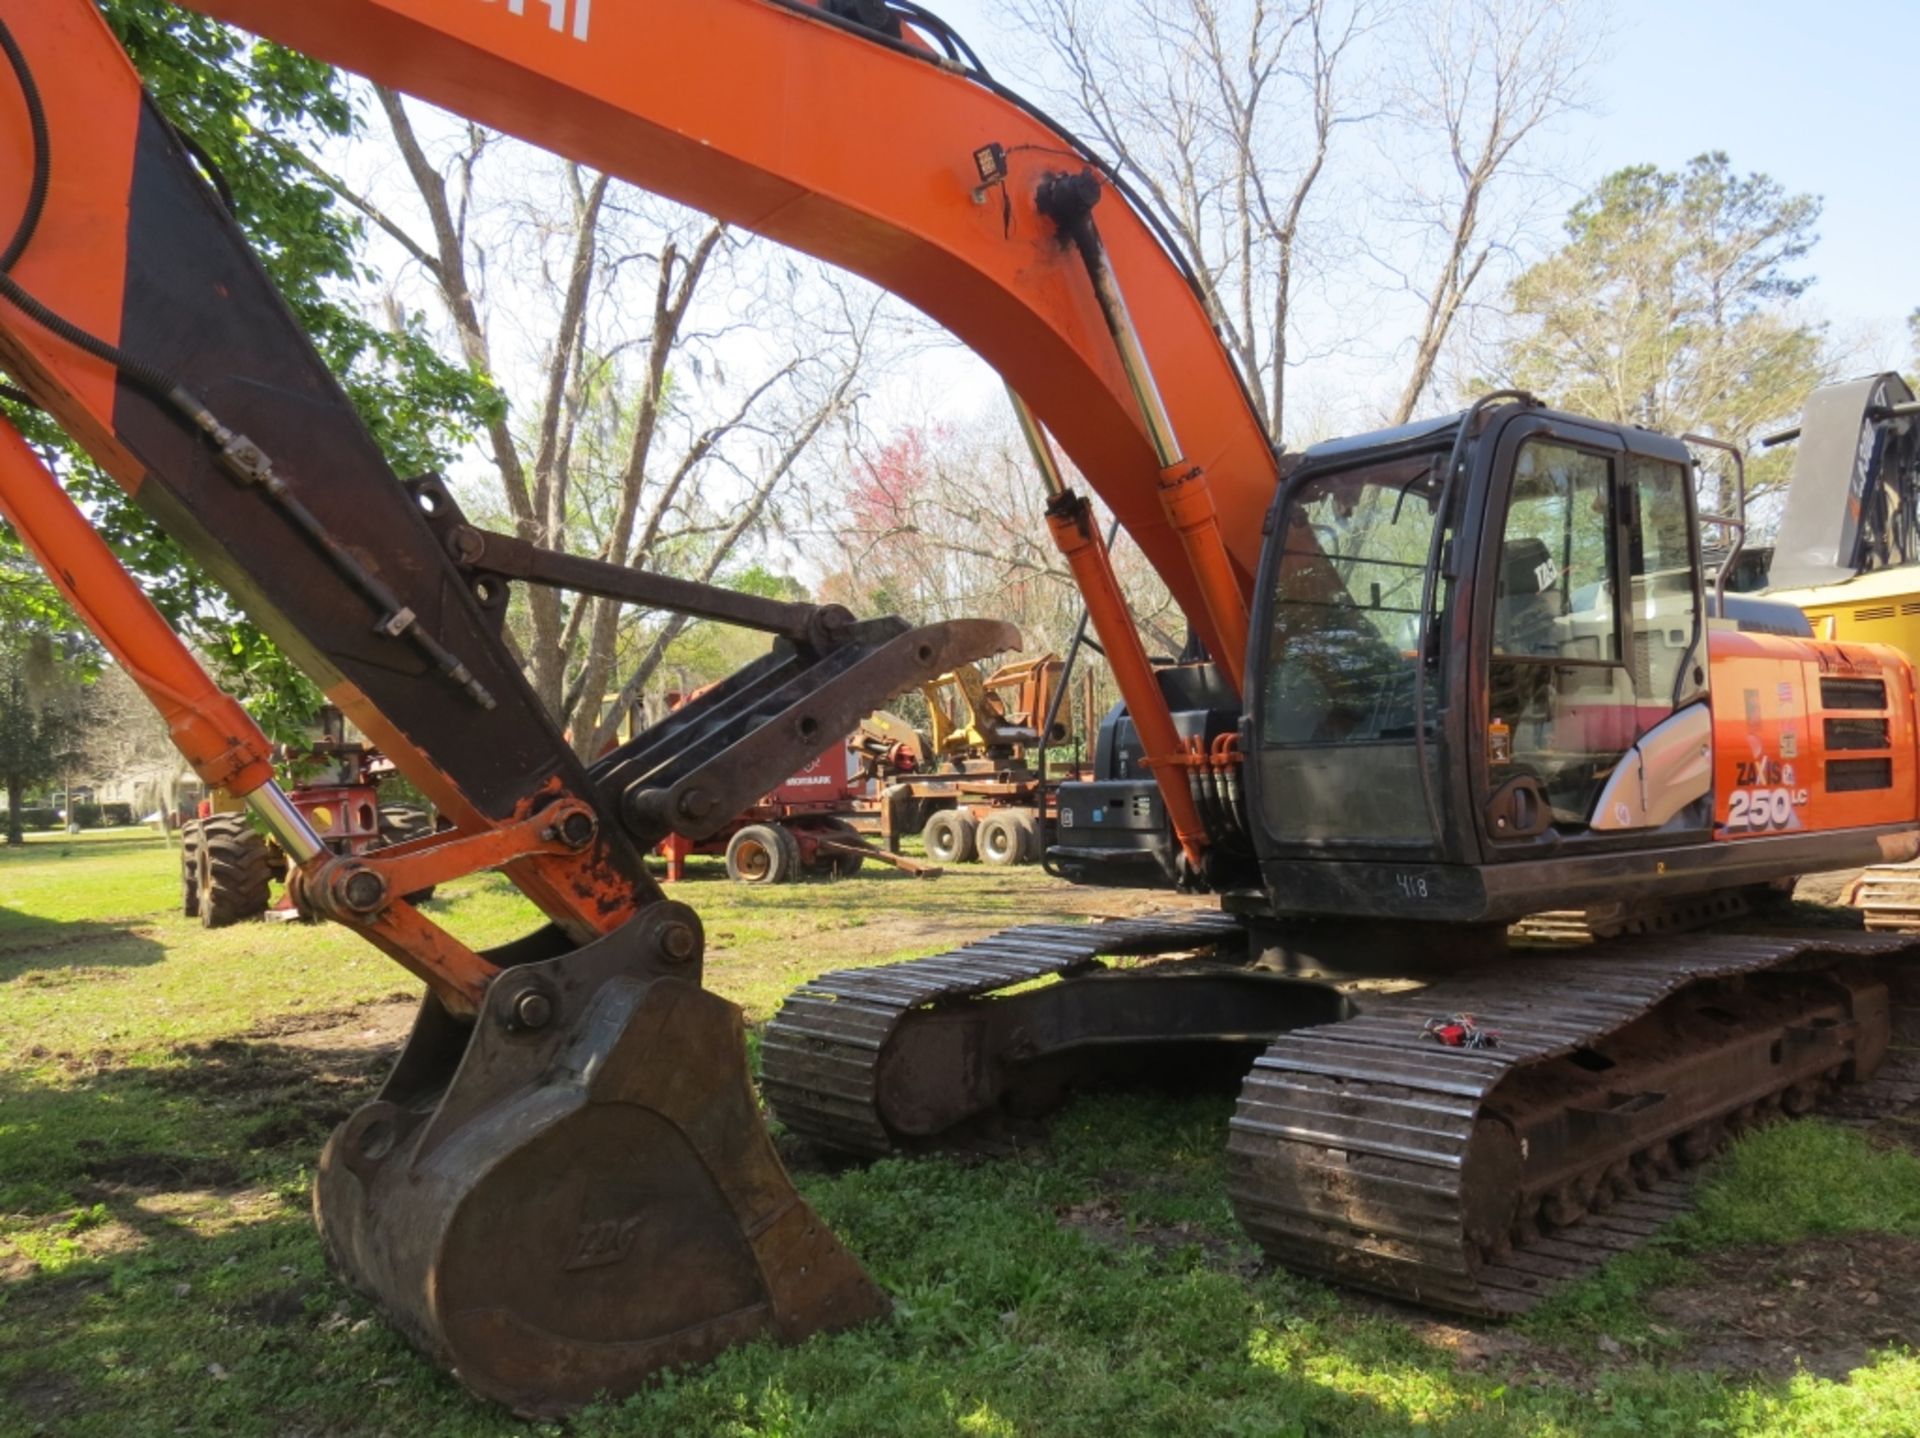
(153, 788)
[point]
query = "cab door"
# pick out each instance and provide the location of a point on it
(1589, 710)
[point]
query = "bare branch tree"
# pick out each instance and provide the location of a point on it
(828, 404)
(1479, 83)
(1224, 114)
(619, 316)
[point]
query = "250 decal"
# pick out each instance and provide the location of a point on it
(1757, 810)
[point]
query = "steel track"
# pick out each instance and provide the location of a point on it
(820, 1054)
(1349, 1155)
(1359, 1149)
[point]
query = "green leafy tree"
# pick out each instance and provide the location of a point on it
(1672, 305)
(258, 112)
(44, 669)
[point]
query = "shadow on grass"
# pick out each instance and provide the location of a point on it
(180, 1288)
(36, 949)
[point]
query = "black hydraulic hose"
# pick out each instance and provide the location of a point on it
(973, 70)
(156, 381)
(950, 39)
(42, 147)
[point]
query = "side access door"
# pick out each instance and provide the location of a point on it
(1587, 726)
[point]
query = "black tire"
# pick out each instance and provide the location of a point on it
(401, 822)
(762, 854)
(190, 868)
(1030, 835)
(1001, 841)
(398, 824)
(949, 837)
(792, 845)
(838, 865)
(235, 884)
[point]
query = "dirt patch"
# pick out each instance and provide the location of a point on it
(1491, 1347)
(156, 1172)
(38, 1303)
(1823, 1305)
(74, 1065)
(377, 1023)
(1900, 1130)
(1109, 1226)
(297, 1077)
(274, 1310)
(42, 1398)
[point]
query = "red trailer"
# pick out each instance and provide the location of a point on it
(808, 826)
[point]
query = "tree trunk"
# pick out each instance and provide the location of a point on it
(16, 793)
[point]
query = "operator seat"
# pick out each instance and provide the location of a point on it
(1524, 607)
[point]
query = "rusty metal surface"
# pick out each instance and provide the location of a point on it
(711, 758)
(821, 1055)
(505, 556)
(1888, 896)
(578, 1192)
(1364, 1152)
(855, 848)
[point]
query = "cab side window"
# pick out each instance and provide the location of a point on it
(1560, 698)
(1663, 607)
(1553, 598)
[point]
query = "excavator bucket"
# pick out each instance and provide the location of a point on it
(577, 1191)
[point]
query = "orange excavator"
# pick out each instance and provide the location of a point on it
(1441, 678)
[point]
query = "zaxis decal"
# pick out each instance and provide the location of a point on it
(559, 12)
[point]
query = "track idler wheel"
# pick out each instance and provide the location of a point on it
(578, 1191)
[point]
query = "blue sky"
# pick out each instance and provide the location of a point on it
(1808, 93)
(1812, 94)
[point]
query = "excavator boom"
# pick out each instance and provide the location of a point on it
(776, 116)
(565, 1184)
(1469, 694)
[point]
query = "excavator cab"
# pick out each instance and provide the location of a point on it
(1480, 644)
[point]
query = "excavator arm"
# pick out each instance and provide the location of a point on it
(565, 1185)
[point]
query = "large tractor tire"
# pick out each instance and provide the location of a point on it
(400, 823)
(949, 837)
(763, 854)
(1002, 840)
(235, 883)
(1031, 835)
(190, 868)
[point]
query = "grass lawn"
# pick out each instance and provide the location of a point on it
(164, 1092)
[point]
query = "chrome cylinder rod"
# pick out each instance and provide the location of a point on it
(1133, 357)
(1037, 441)
(286, 823)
